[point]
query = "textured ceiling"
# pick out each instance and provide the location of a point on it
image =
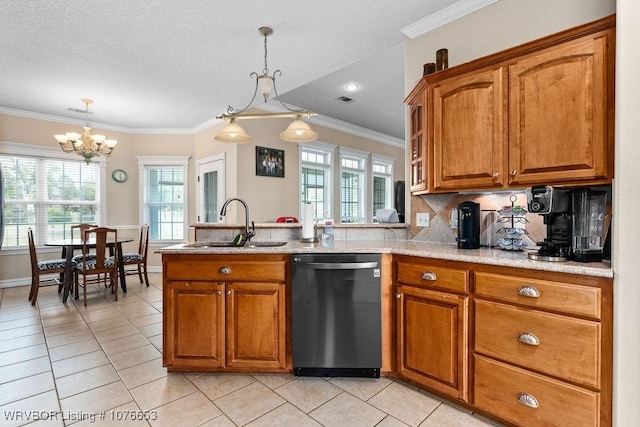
(175, 65)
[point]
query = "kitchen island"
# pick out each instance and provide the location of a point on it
(488, 329)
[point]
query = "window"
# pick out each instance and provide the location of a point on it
(315, 179)
(382, 171)
(352, 186)
(47, 191)
(164, 204)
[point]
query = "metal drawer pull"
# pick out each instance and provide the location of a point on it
(224, 270)
(528, 400)
(529, 291)
(428, 275)
(528, 338)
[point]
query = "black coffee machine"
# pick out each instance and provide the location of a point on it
(468, 225)
(576, 221)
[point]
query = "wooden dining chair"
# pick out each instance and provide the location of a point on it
(52, 266)
(81, 229)
(100, 261)
(138, 259)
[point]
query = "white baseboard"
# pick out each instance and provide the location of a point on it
(26, 281)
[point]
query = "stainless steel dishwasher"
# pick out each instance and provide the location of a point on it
(336, 315)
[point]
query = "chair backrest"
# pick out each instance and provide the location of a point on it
(81, 228)
(143, 248)
(102, 238)
(32, 253)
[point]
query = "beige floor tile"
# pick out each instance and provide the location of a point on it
(162, 391)
(156, 340)
(75, 364)
(135, 356)
(96, 400)
(73, 349)
(147, 320)
(115, 332)
(407, 405)
(14, 414)
(390, 421)
(86, 380)
(151, 330)
(157, 305)
(215, 386)
(125, 343)
(120, 416)
(20, 355)
(132, 311)
(249, 403)
(24, 369)
(191, 410)
(143, 373)
(21, 342)
(18, 323)
(285, 415)
(26, 387)
(274, 381)
(60, 315)
(20, 332)
(221, 421)
(447, 416)
(69, 338)
(108, 324)
(92, 316)
(308, 393)
(362, 388)
(65, 328)
(344, 410)
(14, 313)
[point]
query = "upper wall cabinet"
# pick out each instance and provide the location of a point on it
(417, 102)
(540, 113)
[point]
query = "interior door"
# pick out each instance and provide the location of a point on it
(211, 194)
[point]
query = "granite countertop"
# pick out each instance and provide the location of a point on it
(409, 247)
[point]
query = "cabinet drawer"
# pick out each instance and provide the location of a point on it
(499, 389)
(557, 296)
(567, 348)
(226, 270)
(429, 276)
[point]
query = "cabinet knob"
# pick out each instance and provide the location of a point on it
(528, 338)
(514, 172)
(496, 175)
(528, 400)
(220, 283)
(398, 296)
(228, 292)
(218, 293)
(224, 270)
(529, 291)
(187, 283)
(429, 275)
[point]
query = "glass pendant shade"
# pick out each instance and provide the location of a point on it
(265, 83)
(298, 131)
(233, 132)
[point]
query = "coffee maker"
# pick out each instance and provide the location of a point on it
(575, 220)
(468, 225)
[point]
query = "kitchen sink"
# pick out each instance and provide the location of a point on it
(250, 244)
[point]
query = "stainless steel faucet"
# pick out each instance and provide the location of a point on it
(247, 235)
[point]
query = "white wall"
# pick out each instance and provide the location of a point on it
(626, 231)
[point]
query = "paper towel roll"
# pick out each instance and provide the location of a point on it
(307, 221)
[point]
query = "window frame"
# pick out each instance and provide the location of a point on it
(363, 158)
(328, 152)
(387, 162)
(53, 153)
(147, 162)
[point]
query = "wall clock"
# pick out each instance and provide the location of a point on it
(119, 175)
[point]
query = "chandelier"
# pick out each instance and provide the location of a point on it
(297, 131)
(85, 144)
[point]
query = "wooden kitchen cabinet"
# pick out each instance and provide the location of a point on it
(539, 113)
(225, 312)
(469, 131)
(432, 326)
(542, 348)
(418, 155)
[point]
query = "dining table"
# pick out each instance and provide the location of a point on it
(70, 245)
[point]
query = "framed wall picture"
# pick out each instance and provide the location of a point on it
(269, 162)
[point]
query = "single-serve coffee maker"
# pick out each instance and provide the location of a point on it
(575, 220)
(468, 225)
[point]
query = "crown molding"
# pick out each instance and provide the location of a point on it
(319, 120)
(444, 16)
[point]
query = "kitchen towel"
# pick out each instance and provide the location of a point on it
(307, 221)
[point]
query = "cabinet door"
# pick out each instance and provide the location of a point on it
(256, 325)
(432, 340)
(561, 111)
(469, 131)
(193, 325)
(418, 153)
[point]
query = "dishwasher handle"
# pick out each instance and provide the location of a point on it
(337, 265)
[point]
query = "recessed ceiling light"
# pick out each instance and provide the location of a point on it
(352, 86)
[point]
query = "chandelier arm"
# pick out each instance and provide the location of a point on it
(232, 111)
(300, 109)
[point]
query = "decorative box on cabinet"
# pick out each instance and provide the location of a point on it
(542, 347)
(432, 318)
(224, 312)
